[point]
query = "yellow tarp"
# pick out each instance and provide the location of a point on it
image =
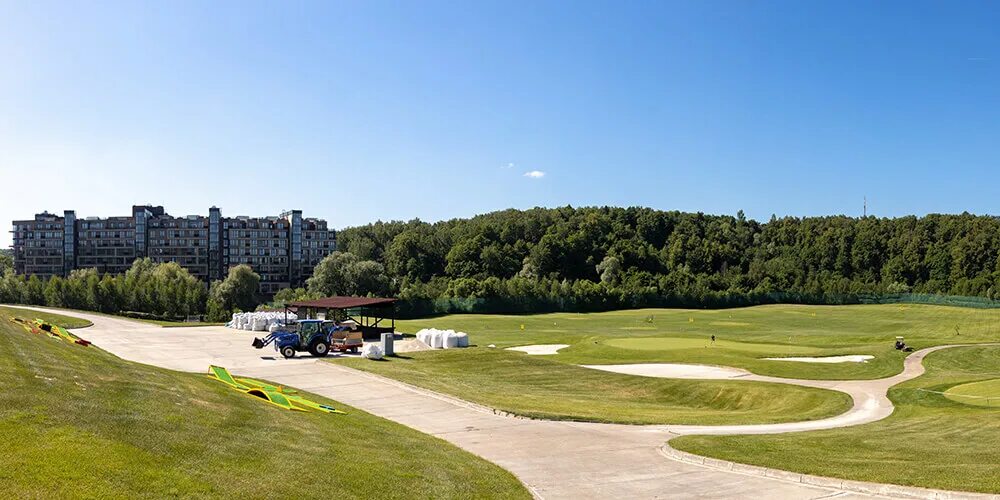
(273, 394)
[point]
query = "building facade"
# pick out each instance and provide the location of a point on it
(282, 249)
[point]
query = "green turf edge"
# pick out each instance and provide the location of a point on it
(55, 319)
(540, 388)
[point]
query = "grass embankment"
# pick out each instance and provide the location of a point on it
(930, 440)
(79, 422)
(81, 323)
(177, 324)
(744, 336)
(58, 319)
(542, 388)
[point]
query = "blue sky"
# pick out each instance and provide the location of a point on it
(392, 110)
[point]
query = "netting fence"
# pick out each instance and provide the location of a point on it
(416, 308)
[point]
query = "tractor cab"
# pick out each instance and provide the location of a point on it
(309, 327)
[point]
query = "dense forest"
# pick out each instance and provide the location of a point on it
(627, 257)
(582, 259)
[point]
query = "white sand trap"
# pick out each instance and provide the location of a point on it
(673, 370)
(850, 358)
(539, 349)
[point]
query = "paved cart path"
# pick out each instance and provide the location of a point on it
(553, 459)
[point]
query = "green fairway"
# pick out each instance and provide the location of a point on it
(553, 387)
(985, 393)
(671, 344)
(542, 388)
(931, 439)
(80, 423)
(58, 319)
(744, 336)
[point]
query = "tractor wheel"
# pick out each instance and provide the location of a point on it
(288, 351)
(319, 348)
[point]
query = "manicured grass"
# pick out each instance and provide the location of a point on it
(56, 319)
(985, 393)
(930, 440)
(78, 422)
(542, 388)
(744, 336)
(672, 344)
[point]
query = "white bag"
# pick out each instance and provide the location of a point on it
(371, 351)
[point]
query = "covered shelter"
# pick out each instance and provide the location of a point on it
(367, 312)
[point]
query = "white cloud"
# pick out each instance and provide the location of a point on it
(509, 165)
(535, 174)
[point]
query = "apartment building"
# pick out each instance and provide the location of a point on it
(283, 249)
(262, 243)
(38, 245)
(107, 245)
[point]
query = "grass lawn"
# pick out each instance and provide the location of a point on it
(58, 319)
(984, 393)
(553, 387)
(79, 422)
(744, 336)
(542, 388)
(930, 440)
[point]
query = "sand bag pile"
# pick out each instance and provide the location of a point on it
(443, 339)
(264, 321)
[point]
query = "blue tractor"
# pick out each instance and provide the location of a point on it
(312, 335)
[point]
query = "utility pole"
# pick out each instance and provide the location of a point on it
(866, 206)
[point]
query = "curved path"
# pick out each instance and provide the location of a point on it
(871, 402)
(553, 459)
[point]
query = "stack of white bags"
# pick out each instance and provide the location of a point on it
(443, 339)
(266, 321)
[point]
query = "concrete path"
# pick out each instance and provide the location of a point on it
(553, 459)
(871, 402)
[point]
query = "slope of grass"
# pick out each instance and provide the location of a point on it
(930, 440)
(79, 422)
(538, 387)
(56, 319)
(744, 336)
(178, 324)
(81, 323)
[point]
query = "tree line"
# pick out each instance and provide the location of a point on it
(589, 258)
(147, 289)
(606, 257)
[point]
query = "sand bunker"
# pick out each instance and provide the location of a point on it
(851, 358)
(540, 349)
(673, 370)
